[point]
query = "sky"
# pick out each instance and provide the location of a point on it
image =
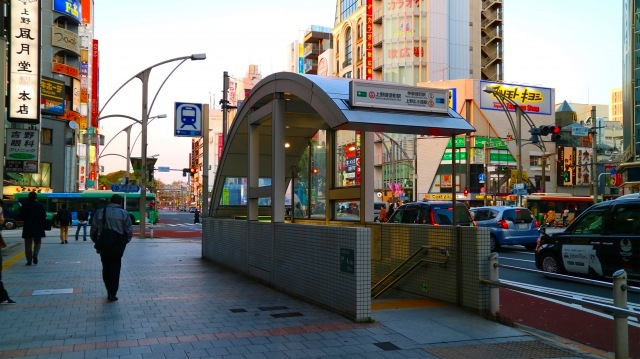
(573, 46)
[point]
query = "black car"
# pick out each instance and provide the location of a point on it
(600, 241)
(432, 212)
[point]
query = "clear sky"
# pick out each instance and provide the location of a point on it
(573, 46)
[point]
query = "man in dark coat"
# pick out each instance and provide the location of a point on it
(33, 215)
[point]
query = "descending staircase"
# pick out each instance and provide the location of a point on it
(414, 261)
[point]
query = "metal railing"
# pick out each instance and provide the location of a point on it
(618, 308)
(443, 251)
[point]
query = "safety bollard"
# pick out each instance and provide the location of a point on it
(151, 231)
(494, 291)
(621, 325)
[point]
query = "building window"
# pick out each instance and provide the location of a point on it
(347, 47)
(46, 136)
(347, 7)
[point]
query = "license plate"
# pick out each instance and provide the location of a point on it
(523, 226)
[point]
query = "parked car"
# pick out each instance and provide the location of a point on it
(10, 211)
(432, 212)
(601, 240)
(508, 225)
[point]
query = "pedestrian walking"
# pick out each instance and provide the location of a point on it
(196, 216)
(115, 218)
(4, 296)
(83, 218)
(34, 219)
(565, 216)
(382, 216)
(64, 221)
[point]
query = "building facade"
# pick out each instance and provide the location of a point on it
(68, 85)
(630, 159)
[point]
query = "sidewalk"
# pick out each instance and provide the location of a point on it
(173, 304)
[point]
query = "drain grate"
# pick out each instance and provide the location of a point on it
(287, 315)
(264, 309)
(387, 346)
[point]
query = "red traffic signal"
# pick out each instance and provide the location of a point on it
(466, 191)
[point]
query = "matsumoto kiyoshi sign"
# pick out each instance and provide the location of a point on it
(533, 100)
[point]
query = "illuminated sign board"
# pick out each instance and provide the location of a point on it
(22, 150)
(52, 92)
(398, 97)
(24, 64)
(533, 100)
(71, 8)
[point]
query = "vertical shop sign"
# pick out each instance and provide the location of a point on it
(24, 62)
(369, 41)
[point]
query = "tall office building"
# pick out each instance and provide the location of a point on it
(630, 166)
(65, 86)
(418, 41)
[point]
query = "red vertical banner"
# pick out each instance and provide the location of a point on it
(369, 41)
(220, 146)
(95, 73)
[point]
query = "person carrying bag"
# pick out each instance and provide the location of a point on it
(111, 231)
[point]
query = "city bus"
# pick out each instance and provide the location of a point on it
(93, 199)
(542, 203)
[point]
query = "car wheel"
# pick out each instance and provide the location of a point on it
(550, 264)
(495, 244)
(10, 225)
(530, 246)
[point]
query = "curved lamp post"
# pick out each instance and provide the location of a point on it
(144, 121)
(127, 130)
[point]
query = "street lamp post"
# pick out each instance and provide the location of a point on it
(127, 130)
(144, 121)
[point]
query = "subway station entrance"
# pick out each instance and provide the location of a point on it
(316, 133)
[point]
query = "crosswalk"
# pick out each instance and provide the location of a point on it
(180, 225)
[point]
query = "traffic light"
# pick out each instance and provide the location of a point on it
(466, 191)
(535, 133)
(151, 170)
(566, 176)
(315, 171)
(192, 170)
(185, 171)
(546, 130)
(555, 134)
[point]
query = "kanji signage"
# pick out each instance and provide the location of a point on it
(22, 150)
(24, 62)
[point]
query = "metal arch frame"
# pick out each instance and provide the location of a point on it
(502, 101)
(517, 129)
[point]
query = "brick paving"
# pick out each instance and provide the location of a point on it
(173, 304)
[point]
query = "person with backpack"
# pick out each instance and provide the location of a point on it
(83, 218)
(64, 221)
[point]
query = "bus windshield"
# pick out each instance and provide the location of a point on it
(92, 199)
